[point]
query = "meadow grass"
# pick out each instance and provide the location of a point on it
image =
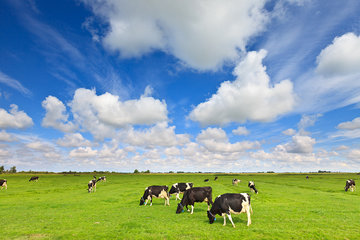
(288, 206)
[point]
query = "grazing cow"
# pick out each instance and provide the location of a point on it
(103, 178)
(35, 178)
(179, 188)
(3, 183)
(307, 177)
(155, 191)
(206, 180)
(235, 181)
(92, 185)
(196, 194)
(215, 178)
(252, 187)
(350, 184)
(228, 203)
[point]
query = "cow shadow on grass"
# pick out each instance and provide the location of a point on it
(238, 221)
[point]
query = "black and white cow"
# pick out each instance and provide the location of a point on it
(92, 185)
(103, 178)
(3, 183)
(251, 185)
(206, 180)
(155, 191)
(193, 195)
(350, 184)
(215, 178)
(35, 178)
(235, 181)
(179, 188)
(228, 203)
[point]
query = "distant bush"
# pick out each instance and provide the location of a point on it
(136, 171)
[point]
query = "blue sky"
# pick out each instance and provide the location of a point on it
(235, 86)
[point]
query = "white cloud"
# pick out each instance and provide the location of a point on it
(83, 152)
(73, 140)
(40, 146)
(216, 140)
(241, 131)
(350, 125)
(7, 137)
(342, 57)
(342, 148)
(299, 144)
(14, 118)
(289, 132)
(159, 135)
(203, 34)
(56, 116)
(102, 114)
(354, 154)
(250, 97)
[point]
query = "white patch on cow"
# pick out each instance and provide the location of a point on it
(192, 209)
(218, 196)
(206, 199)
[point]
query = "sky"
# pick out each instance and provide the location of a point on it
(193, 85)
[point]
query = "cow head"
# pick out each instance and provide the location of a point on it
(180, 208)
(173, 189)
(211, 217)
(142, 201)
(347, 186)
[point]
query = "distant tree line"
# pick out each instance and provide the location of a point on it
(11, 170)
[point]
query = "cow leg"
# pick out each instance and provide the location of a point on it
(224, 215)
(208, 206)
(192, 209)
(229, 216)
(177, 196)
(248, 217)
(151, 201)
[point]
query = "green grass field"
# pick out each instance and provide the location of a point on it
(59, 207)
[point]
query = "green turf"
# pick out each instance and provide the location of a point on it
(59, 207)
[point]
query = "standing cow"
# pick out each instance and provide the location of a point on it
(235, 181)
(103, 179)
(92, 185)
(3, 183)
(228, 203)
(196, 194)
(350, 184)
(35, 178)
(179, 188)
(251, 185)
(155, 191)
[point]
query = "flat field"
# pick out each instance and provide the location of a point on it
(288, 206)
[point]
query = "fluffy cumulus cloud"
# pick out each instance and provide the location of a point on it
(14, 118)
(299, 144)
(350, 125)
(83, 152)
(241, 131)
(203, 34)
(250, 97)
(56, 116)
(6, 137)
(73, 140)
(216, 140)
(102, 114)
(336, 77)
(159, 135)
(289, 132)
(341, 57)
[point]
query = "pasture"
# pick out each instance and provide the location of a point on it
(288, 206)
